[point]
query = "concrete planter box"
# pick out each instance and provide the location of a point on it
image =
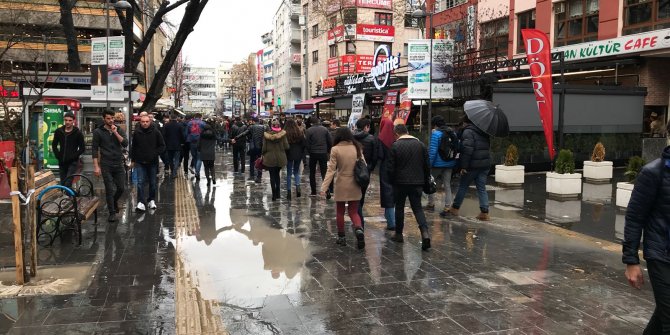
(619, 224)
(567, 185)
(510, 175)
(597, 193)
(512, 196)
(563, 212)
(623, 193)
(598, 172)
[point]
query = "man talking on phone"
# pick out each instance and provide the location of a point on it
(108, 144)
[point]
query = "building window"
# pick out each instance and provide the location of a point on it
(645, 15)
(332, 22)
(389, 45)
(526, 20)
(351, 48)
(494, 36)
(576, 22)
(441, 5)
(333, 50)
(411, 22)
(315, 56)
(315, 30)
(384, 19)
(350, 16)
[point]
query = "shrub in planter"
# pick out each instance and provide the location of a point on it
(564, 182)
(598, 153)
(598, 170)
(633, 168)
(565, 163)
(510, 174)
(625, 190)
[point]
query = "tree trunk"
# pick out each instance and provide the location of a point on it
(66, 20)
(191, 17)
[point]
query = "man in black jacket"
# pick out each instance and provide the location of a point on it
(409, 170)
(648, 213)
(239, 145)
(107, 146)
(68, 144)
(370, 148)
(475, 162)
(319, 142)
(173, 135)
(148, 144)
(254, 135)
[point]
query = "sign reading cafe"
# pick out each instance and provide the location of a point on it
(381, 69)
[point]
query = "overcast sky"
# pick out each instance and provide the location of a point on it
(228, 30)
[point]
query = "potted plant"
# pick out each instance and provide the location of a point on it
(625, 189)
(598, 170)
(564, 182)
(510, 173)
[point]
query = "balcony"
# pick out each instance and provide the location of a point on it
(296, 83)
(267, 75)
(296, 59)
(296, 11)
(267, 100)
(295, 36)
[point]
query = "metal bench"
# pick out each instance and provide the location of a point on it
(61, 208)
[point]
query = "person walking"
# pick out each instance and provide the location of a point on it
(239, 145)
(370, 147)
(164, 155)
(107, 151)
(294, 154)
(648, 215)
(68, 145)
(147, 146)
(475, 162)
(254, 135)
(207, 149)
(318, 142)
(346, 151)
(274, 147)
(409, 169)
(194, 129)
(174, 140)
(442, 160)
(186, 148)
(385, 140)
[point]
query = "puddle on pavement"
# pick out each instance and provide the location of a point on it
(239, 258)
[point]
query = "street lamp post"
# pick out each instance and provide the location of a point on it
(421, 13)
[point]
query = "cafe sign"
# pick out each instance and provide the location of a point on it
(381, 69)
(643, 42)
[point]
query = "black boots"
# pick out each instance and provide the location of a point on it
(297, 191)
(341, 240)
(398, 238)
(360, 238)
(288, 195)
(425, 238)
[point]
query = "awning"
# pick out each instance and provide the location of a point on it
(309, 104)
(299, 111)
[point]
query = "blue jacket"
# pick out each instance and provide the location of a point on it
(648, 213)
(436, 160)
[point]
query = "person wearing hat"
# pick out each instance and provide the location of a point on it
(656, 125)
(275, 145)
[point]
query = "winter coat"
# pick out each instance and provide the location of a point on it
(275, 145)
(370, 147)
(108, 146)
(433, 152)
(236, 130)
(296, 150)
(409, 161)
(173, 135)
(386, 198)
(648, 213)
(476, 149)
(147, 145)
(67, 147)
(254, 135)
(343, 158)
(207, 145)
(318, 140)
(194, 128)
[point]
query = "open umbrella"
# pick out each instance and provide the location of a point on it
(487, 117)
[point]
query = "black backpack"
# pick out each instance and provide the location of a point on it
(448, 147)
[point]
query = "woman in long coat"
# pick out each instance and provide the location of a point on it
(275, 145)
(343, 156)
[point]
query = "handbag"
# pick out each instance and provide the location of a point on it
(361, 173)
(430, 186)
(258, 164)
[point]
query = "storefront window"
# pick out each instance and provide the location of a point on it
(526, 20)
(576, 22)
(494, 36)
(645, 15)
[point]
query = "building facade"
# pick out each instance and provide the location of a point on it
(287, 55)
(200, 85)
(265, 75)
(223, 88)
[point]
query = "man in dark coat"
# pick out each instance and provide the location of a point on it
(475, 162)
(409, 170)
(68, 144)
(319, 142)
(173, 133)
(148, 144)
(370, 147)
(239, 145)
(648, 214)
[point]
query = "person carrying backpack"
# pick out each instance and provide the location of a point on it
(443, 153)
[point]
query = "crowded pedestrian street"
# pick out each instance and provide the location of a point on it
(224, 259)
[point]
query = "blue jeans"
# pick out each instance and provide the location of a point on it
(146, 173)
(173, 160)
(479, 177)
(292, 167)
(196, 162)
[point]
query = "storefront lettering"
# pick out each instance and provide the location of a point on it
(383, 68)
(653, 40)
(640, 43)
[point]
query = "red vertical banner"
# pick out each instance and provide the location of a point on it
(405, 106)
(389, 103)
(538, 53)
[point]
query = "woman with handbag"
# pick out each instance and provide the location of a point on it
(275, 145)
(344, 155)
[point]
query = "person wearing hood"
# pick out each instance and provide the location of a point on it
(275, 145)
(370, 147)
(68, 144)
(475, 160)
(442, 167)
(294, 154)
(148, 144)
(648, 216)
(207, 149)
(107, 152)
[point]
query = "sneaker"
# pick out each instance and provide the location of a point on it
(152, 204)
(445, 212)
(140, 207)
(112, 217)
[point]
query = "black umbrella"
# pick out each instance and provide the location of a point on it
(487, 117)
